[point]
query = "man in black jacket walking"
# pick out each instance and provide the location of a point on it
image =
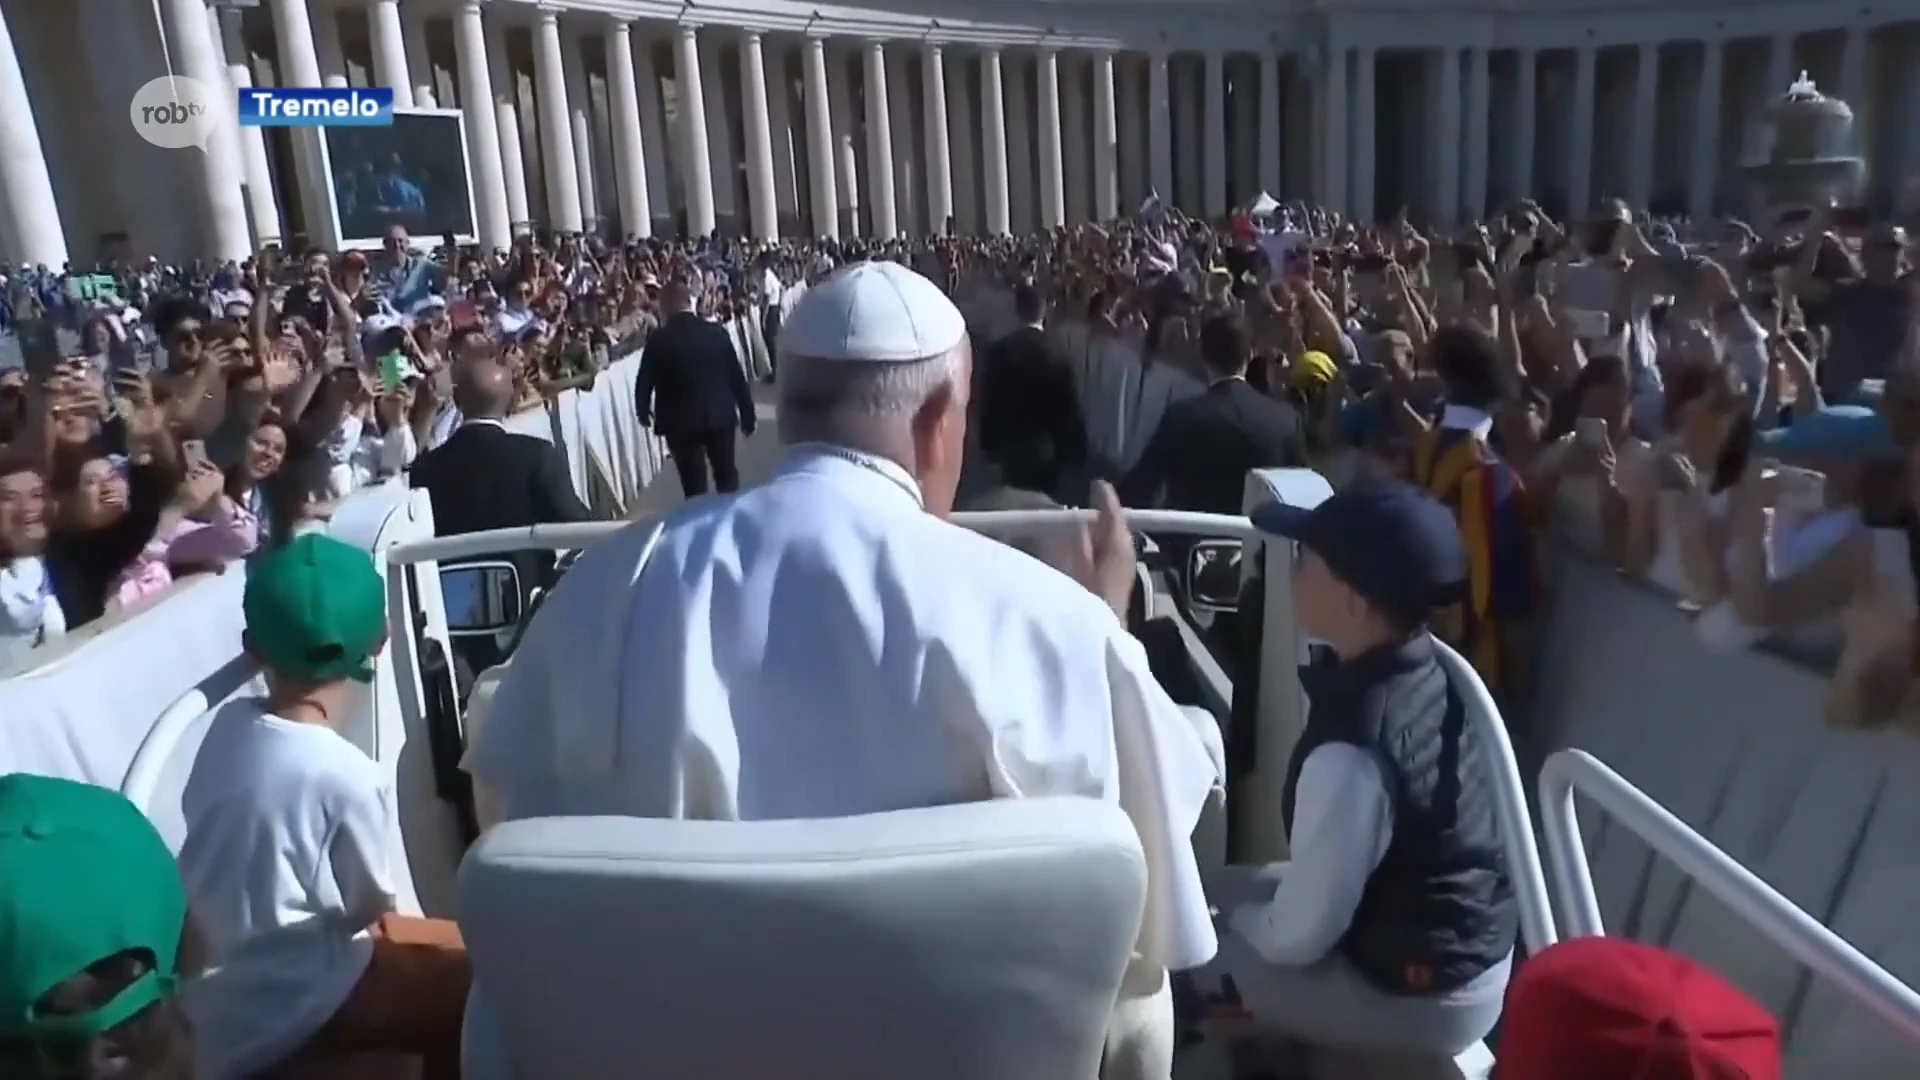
(693, 392)
(485, 477)
(1204, 446)
(1031, 426)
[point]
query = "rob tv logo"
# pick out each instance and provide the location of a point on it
(315, 107)
(176, 112)
(173, 112)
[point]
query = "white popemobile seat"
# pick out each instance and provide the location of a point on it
(983, 941)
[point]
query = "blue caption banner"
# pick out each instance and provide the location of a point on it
(315, 107)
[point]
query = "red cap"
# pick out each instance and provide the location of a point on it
(1599, 1008)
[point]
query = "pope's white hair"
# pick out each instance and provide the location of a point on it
(866, 406)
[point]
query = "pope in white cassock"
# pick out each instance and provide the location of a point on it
(827, 644)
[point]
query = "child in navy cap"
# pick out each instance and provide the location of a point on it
(1392, 927)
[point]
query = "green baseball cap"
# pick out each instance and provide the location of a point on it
(316, 610)
(83, 878)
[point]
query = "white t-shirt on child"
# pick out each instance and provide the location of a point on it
(285, 866)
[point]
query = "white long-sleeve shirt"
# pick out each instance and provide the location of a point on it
(1342, 825)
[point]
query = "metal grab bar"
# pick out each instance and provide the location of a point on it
(1530, 893)
(503, 541)
(1760, 904)
(991, 522)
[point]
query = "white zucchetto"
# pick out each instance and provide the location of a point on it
(877, 312)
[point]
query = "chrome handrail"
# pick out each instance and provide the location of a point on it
(1530, 895)
(1761, 905)
(993, 522)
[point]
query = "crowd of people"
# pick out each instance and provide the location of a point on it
(161, 422)
(1722, 409)
(1727, 409)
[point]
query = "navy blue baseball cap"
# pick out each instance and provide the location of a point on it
(1390, 542)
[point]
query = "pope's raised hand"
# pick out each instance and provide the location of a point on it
(1106, 556)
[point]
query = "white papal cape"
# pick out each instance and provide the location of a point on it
(821, 646)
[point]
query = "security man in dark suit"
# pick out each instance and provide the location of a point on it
(1204, 446)
(1393, 925)
(692, 390)
(1031, 426)
(486, 477)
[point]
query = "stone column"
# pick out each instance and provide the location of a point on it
(1159, 127)
(419, 62)
(261, 207)
(1703, 170)
(826, 200)
(1106, 140)
(693, 108)
(846, 160)
(786, 180)
(1446, 180)
(1909, 130)
(1853, 84)
(629, 153)
(1780, 71)
(1479, 110)
(30, 214)
(933, 94)
(1525, 121)
(1023, 171)
(1366, 133)
(216, 166)
(908, 201)
(1272, 141)
(1130, 143)
(299, 65)
(993, 142)
(1076, 135)
(762, 195)
(719, 124)
(1333, 149)
(556, 126)
(1646, 98)
(580, 117)
(495, 224)
(1580, 156)
(653, 125)
(390, 52)
(886, 222)
(506, 118)
(1213, 163)
(326, 46)
(1053, 184)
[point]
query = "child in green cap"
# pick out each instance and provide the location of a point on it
(92, 917)
(290, 830)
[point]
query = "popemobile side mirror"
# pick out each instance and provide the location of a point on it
(481, 598)
(1213, 575)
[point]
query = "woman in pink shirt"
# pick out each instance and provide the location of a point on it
(217, 532)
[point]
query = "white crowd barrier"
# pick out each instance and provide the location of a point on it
(84, 712)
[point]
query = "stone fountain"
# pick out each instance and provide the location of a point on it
(1806, 157)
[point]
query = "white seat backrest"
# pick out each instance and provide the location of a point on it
(983, 941)
(163, 802)
(156, 781)
(486, 809)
